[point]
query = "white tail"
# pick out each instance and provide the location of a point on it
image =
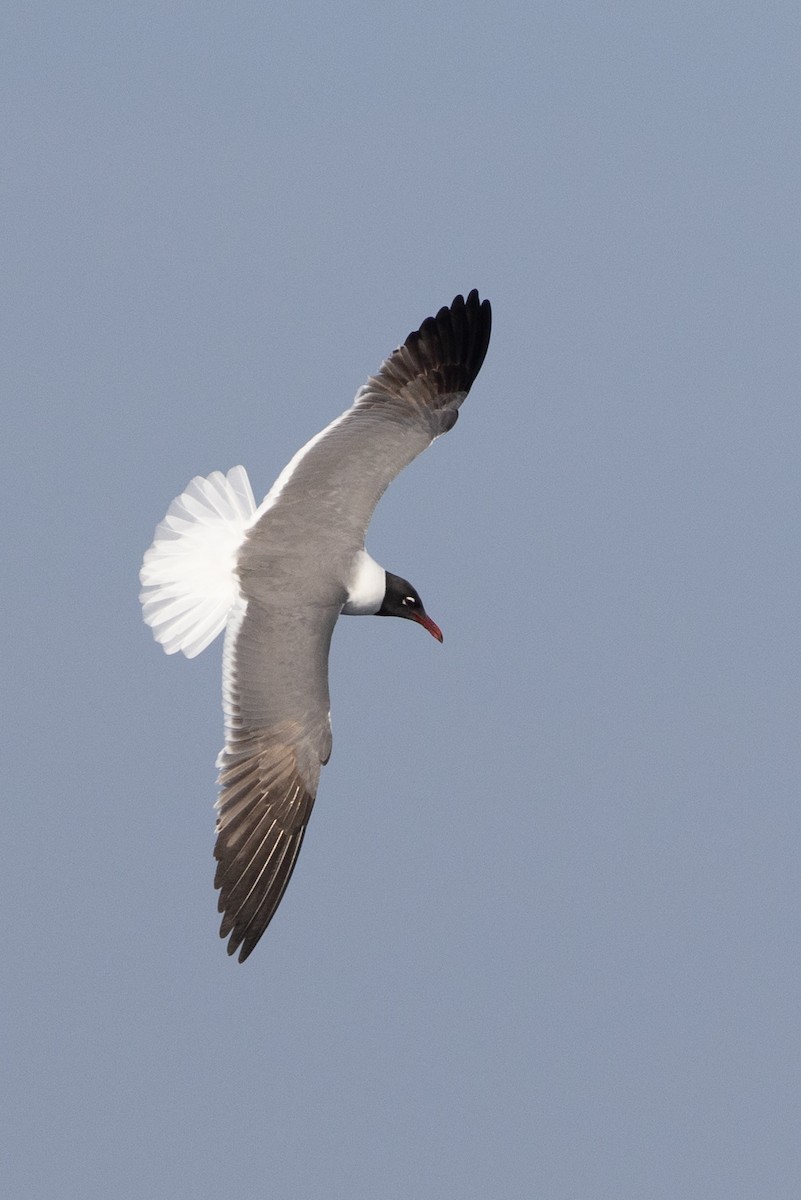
(188, 575)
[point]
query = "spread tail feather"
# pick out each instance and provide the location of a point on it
(188, 578)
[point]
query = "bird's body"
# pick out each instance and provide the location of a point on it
(277, 577)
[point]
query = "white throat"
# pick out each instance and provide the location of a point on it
(367, 586)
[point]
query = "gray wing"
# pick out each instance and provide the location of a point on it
(334, 483)
(278, 735)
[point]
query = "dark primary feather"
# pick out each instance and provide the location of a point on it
(264, 808)
(276, 661)
(436, 366)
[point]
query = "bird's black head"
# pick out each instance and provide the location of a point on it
(401, 600)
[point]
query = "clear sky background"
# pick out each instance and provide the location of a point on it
(543, 937)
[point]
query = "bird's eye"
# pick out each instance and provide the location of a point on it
(409, 600)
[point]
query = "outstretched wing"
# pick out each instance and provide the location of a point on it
(335, 481)
(278, 735)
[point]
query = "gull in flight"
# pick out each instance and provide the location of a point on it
(276, 577)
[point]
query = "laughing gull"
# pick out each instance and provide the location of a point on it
(276, 577)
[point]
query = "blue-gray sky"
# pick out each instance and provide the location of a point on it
(543, 937)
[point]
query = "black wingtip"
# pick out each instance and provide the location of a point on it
(436, 366)
(454, 342)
